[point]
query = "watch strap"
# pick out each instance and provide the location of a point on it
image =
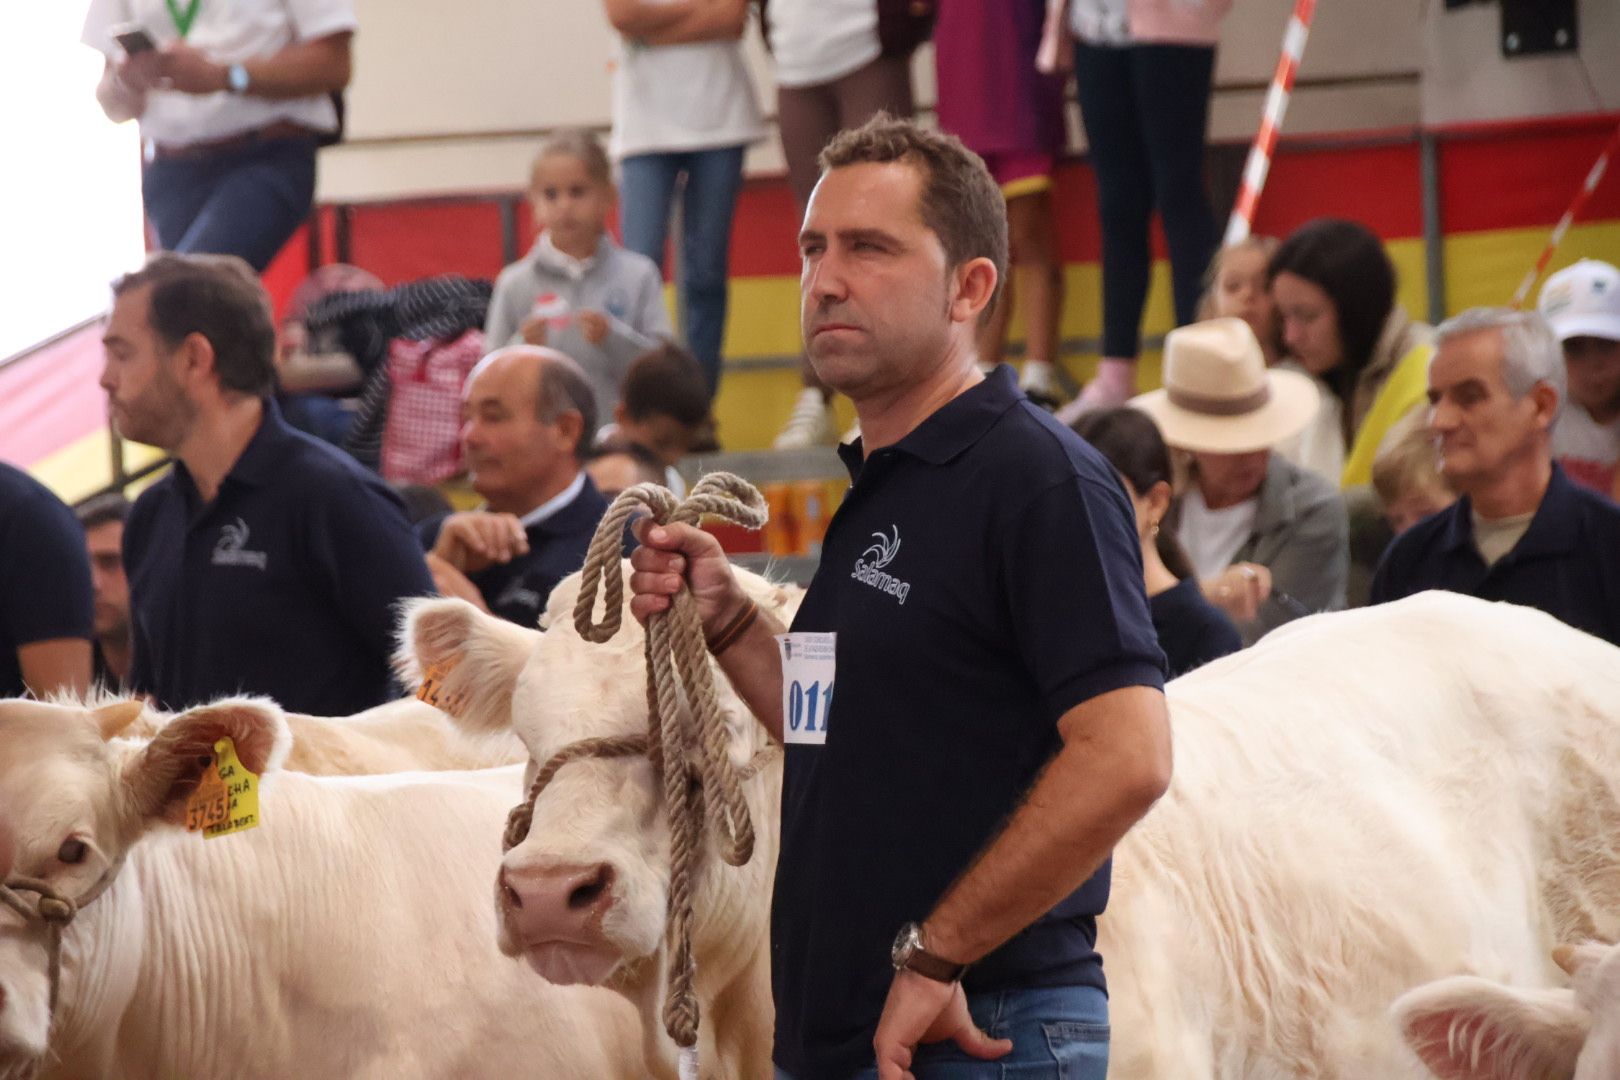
(938, 968)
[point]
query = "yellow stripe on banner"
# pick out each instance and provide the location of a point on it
(84, 466)
(1484, 268)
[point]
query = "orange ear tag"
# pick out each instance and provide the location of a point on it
(227, 797)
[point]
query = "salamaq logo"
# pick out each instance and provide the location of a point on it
(231, 549)
(881, 551)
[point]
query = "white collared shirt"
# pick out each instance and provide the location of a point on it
(562, 262)
(226, 33)
(555, 503)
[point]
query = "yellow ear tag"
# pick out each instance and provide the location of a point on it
(227, 799)
(432, 689)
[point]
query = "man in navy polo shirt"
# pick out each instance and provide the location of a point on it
(528, 417)
(266, 561)
(998, 722)
(1522, 532)
(45, 624)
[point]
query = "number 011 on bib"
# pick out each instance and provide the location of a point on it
(809, 664)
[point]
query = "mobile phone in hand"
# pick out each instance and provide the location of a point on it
(133, 39)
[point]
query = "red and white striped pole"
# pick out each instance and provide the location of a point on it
(1576, 205)
(1265, 142)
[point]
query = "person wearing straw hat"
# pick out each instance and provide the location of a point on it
(1268, 539)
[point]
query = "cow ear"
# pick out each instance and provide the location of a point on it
(1465, 1028)
(113, 718)
(463, 661)
(162, 776)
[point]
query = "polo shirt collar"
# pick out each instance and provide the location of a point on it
(260, 461)
(1549, 532)
(557, 502)
(954, 426)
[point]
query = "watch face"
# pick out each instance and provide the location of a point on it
(905, 943)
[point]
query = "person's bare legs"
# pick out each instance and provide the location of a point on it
(808, 118)
(1038, 271)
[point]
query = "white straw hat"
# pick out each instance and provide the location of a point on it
(1220, 398)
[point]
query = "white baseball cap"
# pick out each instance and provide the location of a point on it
(1583, 301)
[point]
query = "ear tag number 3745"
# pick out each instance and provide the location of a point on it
(809, 665)
(227, 796)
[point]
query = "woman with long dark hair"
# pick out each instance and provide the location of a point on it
(1191, 630)
(1334, 288)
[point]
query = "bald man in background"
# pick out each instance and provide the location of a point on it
(528, 414)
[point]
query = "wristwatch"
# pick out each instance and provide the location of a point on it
(236, 79)
(909, 954)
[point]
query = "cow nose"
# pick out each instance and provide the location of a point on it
(557, 903)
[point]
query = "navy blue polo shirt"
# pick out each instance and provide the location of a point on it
(983, 576)
(517, 591)
(286, 584)
(1567, 563)
(44, 573)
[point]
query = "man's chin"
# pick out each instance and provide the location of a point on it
(570, 964)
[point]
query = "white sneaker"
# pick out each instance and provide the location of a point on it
(810, 423)
(1039, 384)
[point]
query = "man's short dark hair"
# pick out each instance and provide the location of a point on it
(219, 297)
(666, 382)
(960, 202)
(101, 509)
(564, 388)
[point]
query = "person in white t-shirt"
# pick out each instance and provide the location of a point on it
(684, 112)
(233, 100)
(838, 64)
(1268, 540)
(1582, 302)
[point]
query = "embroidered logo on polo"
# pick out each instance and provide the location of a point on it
(231, 548)
(881, 552)
(517, 594)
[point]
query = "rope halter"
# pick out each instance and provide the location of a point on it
(52, 911)
(686, 739)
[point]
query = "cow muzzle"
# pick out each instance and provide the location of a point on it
(554, 914)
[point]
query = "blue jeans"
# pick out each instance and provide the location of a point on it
(1058, 1033)
(244, 202)
(713, 179)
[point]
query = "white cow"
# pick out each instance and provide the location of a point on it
(343, 937)
(585, 897)
(1364, 802)
(398, 736)
(1467, 1028)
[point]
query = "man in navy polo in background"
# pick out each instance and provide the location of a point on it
(998, 722)
(528, 418)
(1522, 532)
(265, 562)
(45, 605)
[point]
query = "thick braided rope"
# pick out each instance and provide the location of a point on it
(686, 736)
(54, 911)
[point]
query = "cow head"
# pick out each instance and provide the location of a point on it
(76, 801)
(584, 897)
(1465, 1028)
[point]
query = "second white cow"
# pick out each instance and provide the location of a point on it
(1364, 802)
(345, 936)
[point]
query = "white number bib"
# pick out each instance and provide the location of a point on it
(808, 666)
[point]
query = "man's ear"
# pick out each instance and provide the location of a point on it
(975, 286)
(1545, 396)
(195, 358)
(571, 432)
(1465, 1028)
(466, 662)
(161, 777)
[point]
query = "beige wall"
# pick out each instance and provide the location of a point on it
(453, 97)
(1467, 79)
